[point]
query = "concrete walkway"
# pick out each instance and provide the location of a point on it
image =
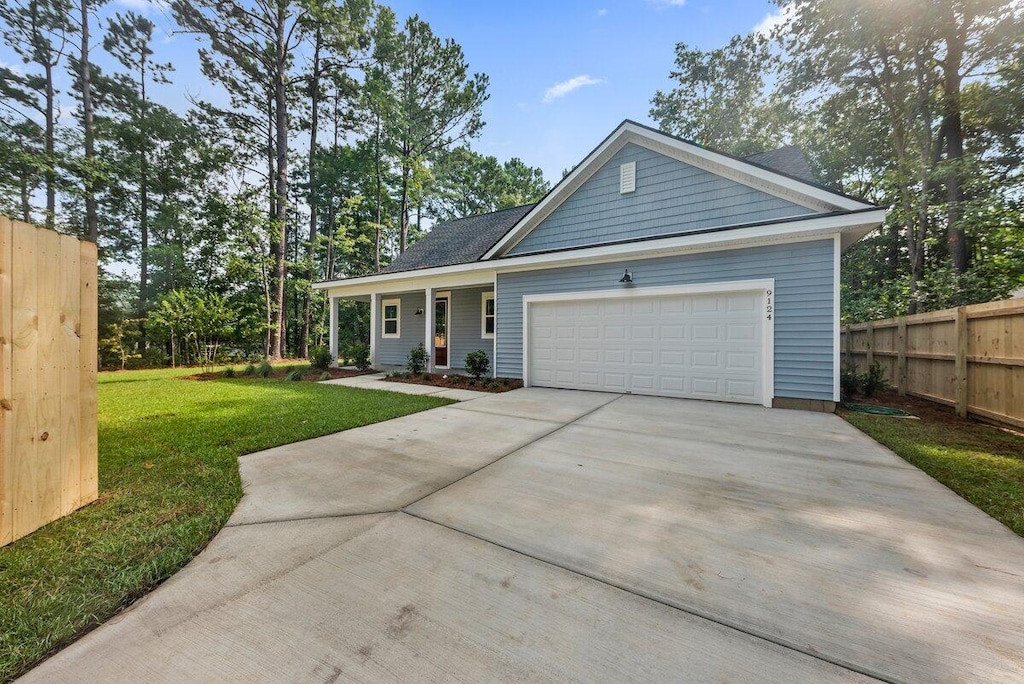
(376, 381)
(546, 535)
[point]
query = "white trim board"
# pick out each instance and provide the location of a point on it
(743, 172)
(483, 272)
(765, 285)
(836, 297)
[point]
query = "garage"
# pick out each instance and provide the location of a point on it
(710, 342)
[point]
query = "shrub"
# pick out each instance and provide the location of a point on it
(295, 374)
(873, 380)
(229, 372)
(359, 355)
(324, 376)
(264, 369)
(477, 363)
(849, 380)
(320, 358)
(417, 360)
(250, 369)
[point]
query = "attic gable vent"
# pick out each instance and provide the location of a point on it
(627, 178)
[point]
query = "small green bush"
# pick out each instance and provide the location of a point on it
(295, 374)
(250, 370)
(477, 363)
(417, 360)
(320, 358)
(229, 372)
(358, 355)
(849, 380)
(324, 376)
(873, 380)
(264, 369)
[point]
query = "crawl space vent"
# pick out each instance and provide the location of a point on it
(627, 178)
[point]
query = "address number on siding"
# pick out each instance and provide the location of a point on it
(769, 306)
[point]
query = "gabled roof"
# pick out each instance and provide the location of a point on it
(458, 242)
(750, 172)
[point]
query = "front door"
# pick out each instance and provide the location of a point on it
(441, 332)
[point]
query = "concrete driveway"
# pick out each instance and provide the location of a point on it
(547, 535)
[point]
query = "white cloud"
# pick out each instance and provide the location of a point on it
(565, 87)
(773, 20)
(143, 6)
(667, 3)
(602, 12)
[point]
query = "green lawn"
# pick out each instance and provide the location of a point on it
(168, 482)
(981, 463)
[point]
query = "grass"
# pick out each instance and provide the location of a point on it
(981, 463)
(168, 482)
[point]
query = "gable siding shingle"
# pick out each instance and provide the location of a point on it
(671, 197)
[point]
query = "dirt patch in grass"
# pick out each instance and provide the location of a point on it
(309, 374)
(459, 382)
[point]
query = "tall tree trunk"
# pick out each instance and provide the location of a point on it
(143, 187)
(314, 120)
(404, 239)
(380, 197)
(954, 147)
(88, 128)
(51, 171)
(26, 199)
(278, 248)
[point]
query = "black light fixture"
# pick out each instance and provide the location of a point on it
(419, 312)
(626, 278)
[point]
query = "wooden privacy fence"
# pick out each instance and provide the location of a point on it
(971, 357)
(48, 464)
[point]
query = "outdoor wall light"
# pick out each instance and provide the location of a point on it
(626, 278)
(419, 312)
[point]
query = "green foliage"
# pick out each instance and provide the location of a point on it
(264, 369)
(467, 183)
(121, 343)
(168, 465)
(230, 372)
(417, 359)
(324, 376)
(320, 358)
(250, 370)
(477, 363)
(358, 355)
(849, 380)
(873, 380)
(295, 374)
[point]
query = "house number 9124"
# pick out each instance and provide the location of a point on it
(769, 310)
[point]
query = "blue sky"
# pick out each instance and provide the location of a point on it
(563, 73)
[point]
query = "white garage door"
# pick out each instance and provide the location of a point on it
(702, 346)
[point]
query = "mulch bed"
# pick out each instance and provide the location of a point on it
(494, 385)
(312, 375)
(930, 411)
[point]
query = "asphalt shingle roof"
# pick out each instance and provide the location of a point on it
(789, 160)
(458, 242)
(467, 239)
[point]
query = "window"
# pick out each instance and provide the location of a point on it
(391, 318)
(487, 316)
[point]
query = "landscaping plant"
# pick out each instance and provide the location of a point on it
(358, 355)
(477, 363)
(417, 360)
(320, 358)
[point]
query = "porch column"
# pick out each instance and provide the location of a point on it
(428, 325)
(332, 302)
(373, 328)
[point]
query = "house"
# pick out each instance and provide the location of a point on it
(655, 267)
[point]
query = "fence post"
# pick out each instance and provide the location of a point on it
(846, 345)
(871, 344)
(901, 355)
(960, 390)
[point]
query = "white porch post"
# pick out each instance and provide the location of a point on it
(428, 325)
(373, 328)
(333, 303)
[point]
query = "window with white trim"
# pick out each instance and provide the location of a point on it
(487, 317)
(391, 318)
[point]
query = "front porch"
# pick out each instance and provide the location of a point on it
(449, 321)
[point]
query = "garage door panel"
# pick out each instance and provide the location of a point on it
(706, 346)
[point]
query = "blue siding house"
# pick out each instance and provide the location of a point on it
(655, 267)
